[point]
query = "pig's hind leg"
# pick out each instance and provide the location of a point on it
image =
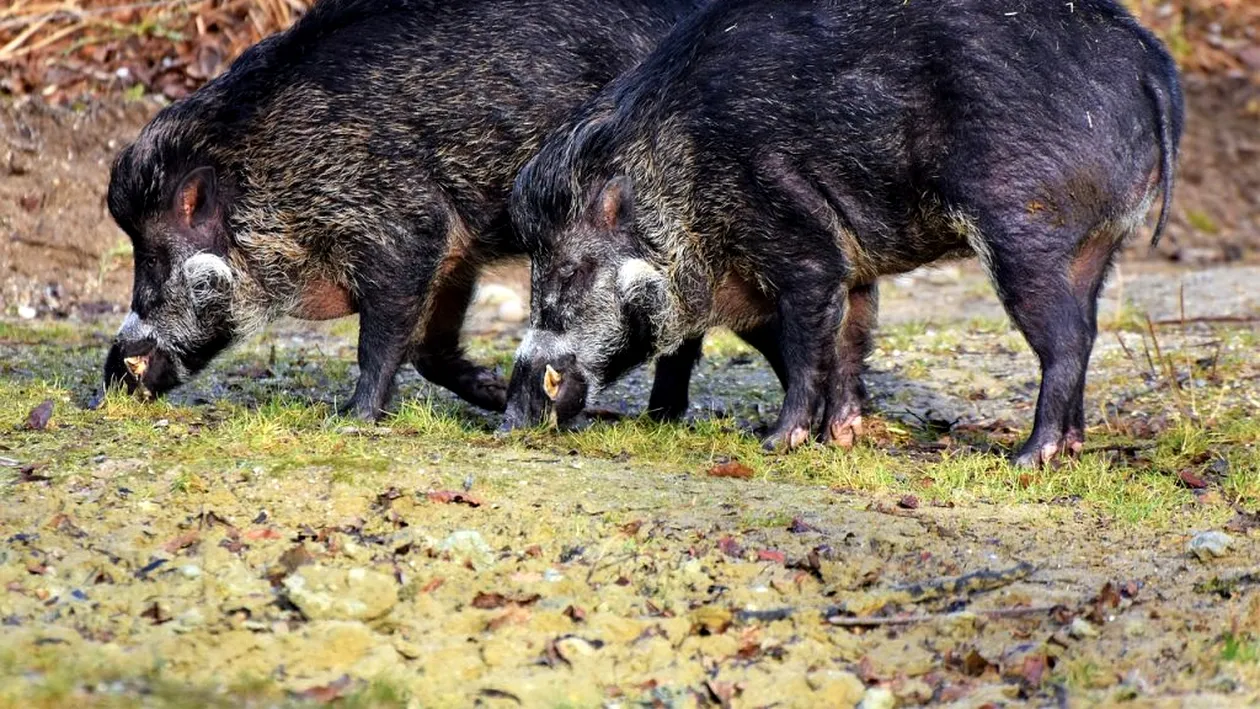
(842, 418)
(810, 313)
(1086, 272)
(1028, 263)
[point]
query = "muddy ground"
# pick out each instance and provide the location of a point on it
(239, 545)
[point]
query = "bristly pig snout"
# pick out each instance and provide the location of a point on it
(140, 366)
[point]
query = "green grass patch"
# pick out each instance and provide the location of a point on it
(284, 434)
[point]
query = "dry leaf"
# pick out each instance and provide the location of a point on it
(1191, 480)
(731, 469)
(258, 533)
(327, 693)
(39, 416)
(454, 497)
(774, 555)
(186, 539)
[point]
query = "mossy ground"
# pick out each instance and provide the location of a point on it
(145, 552)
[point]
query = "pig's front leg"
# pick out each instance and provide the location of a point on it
(387, 319)
(809, 316)
(669, 400)
(670, 395)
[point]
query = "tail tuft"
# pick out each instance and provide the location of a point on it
(1168, 154)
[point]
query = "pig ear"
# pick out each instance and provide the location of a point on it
(615, 203)
(196, 203)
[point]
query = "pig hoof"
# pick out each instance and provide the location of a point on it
(362, 412)
(1074, 443)
(844, 432)
(489, 392)
(1036, 457)
(793, 439)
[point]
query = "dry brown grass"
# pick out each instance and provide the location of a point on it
(64, 50)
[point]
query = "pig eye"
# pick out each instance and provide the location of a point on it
(576, 275)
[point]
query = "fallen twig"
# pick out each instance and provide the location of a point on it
(976, 582)
(870, 622)
(1207, 319)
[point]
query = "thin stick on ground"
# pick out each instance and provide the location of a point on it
(869, 622)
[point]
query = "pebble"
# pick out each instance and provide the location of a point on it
(878, 698)
(1081, 629)
(468, 544)
(836, 688)
(1210, 545)
(26, 312)
(507, 304)
(324, 593)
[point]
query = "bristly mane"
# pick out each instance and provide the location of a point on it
(551, 190)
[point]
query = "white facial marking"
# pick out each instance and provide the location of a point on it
(635, 275)
(543, 346)
(202, 265)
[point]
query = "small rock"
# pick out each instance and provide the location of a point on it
(1210, 545)
(408, 649)
(324, 593)
(1081, 629)
(836, 687)
(26, 312)
(512, 312)
(714, 619)
(507, 304)
(468, 544)
(878, 698)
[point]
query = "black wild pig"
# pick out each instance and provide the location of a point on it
(771, 159)
(359, 162)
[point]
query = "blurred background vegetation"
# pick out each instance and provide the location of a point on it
(65, 51)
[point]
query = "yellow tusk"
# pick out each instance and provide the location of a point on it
(137, 365)
(551, 383)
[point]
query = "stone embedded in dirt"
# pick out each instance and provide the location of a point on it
(1210, 545)
(836, 688)
(1081, 629)
(712, 619)
(324, 593)
(878, 698)
(468, 544)
(505, 302)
